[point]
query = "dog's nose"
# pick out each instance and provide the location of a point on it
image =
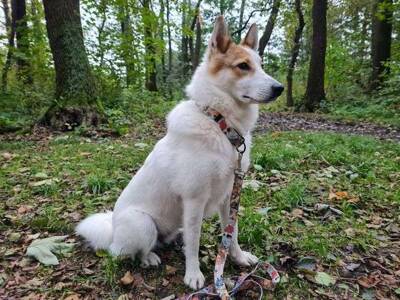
(277, 90)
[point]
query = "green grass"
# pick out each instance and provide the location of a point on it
(297, 170)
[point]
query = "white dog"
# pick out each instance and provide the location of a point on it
(189, 174)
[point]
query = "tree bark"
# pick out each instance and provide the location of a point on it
(241, 13)
(315, 85)
(381, 41)
(21, 30)
(269, 27)
(197, 46)
(127, 47)
(185, 40)
(148, 19)
(161, 34)
(169, 38)
(195, 27)
(10, 30)
(76, 92)
(295, 53)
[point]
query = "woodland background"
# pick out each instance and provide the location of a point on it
(85, 88)
(98, 57)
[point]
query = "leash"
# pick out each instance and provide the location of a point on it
(219, 290)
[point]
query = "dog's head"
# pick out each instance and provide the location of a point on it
(237, 69)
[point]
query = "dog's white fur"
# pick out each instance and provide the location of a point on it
(189, 173)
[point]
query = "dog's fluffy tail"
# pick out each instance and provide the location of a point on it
(97, 230)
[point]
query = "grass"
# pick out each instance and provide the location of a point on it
(279, 222)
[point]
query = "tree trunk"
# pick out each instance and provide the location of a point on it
(295, 53)
(148, 19)
(197, 46)
(127, 48)
(381, 40)
(195, 27)
(21, 31)
(315, 85)
(269, 27)
(169, 38)
(185, 40)
(10, 30)
(241, 13)
(161, 34)
(76, 91)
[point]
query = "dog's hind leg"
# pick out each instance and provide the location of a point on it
(135, 233)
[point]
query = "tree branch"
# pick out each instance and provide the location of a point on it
(239, 31)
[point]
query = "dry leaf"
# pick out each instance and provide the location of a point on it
(170, 270)
(368, 281)
(73, 297)
(165, 282)
(7, 155)
(127, 278)
(297, 213)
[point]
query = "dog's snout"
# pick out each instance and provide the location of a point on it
(277, 90)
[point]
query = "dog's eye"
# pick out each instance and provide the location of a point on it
(243, 66)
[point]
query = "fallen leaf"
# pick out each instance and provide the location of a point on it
(165, 282)
(49, 181)
(252, 184)
(73, 297)
(43, 249)
(325, 279)
(350, 232)
(127, 278)
(368, 281)
(264, 210)
(307, 263)
(257, 167)
(170, 270)
(7, 155)
(141, 145)
(352, 266)
(170, 297)
(40, 175)
(297, 213)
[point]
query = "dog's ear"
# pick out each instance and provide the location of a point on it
(251, 39)
(220, 39)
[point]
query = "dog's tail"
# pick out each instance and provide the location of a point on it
(97, 230)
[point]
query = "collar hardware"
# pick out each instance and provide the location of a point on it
(234, 137)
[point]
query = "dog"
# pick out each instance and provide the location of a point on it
(190, 172)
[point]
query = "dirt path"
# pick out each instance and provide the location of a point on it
(305, 122)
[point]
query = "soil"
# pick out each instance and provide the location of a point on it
(307, 122)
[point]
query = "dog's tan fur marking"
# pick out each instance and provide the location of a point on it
(233, 56)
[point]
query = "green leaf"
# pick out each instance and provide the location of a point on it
(43, 249)
(325, 279)
(307, 263)
(258, 167)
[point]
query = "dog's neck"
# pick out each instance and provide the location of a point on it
(203, 91)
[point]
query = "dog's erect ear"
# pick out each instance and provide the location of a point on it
(220, 39)
(251, 39)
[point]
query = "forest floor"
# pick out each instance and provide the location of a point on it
(323, 207)
(314, 122)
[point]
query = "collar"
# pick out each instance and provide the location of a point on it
(234, 137)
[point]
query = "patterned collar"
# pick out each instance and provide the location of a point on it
(234, 137)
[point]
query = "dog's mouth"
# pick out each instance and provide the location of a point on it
(272, 99)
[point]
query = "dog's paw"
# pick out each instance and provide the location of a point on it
(150, 259)
(194, 279)
(244, 258)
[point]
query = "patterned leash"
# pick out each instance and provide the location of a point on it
(219, 289)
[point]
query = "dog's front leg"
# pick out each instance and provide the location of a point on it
(239, 256)
(192, 218)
